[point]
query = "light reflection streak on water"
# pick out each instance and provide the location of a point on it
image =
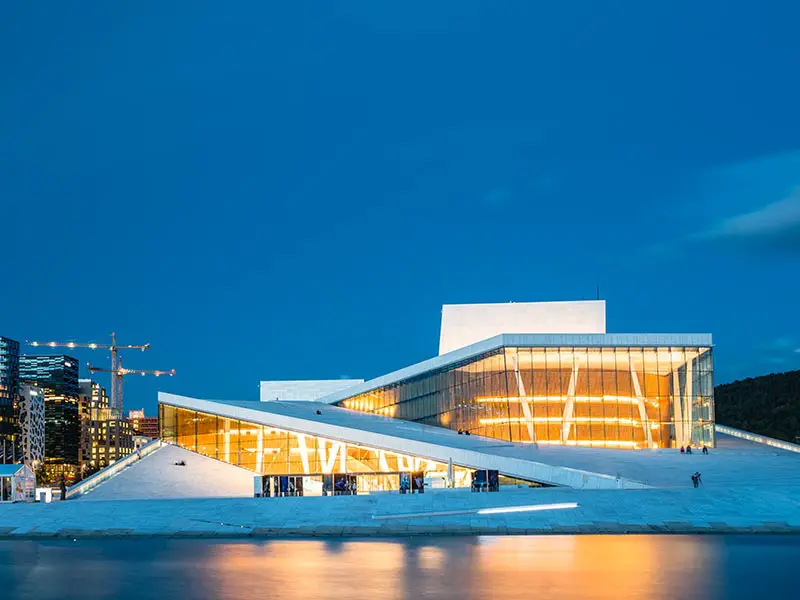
(618, 567)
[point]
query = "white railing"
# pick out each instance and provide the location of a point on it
(88, 484)
(759, 439)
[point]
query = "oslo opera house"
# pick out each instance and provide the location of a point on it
(538, 394)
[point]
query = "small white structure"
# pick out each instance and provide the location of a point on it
(17, 483)
(307, 389)
(466, 324)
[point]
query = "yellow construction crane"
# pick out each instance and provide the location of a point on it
(117, 370)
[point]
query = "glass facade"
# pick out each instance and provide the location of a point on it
(272, 451)
(58, 376)
(616, 397)
(9, 393)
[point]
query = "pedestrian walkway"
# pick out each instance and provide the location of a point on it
(455, 512)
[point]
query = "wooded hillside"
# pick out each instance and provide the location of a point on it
(769, 405)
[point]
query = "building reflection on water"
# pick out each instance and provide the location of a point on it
(507, 567)
(618, 567)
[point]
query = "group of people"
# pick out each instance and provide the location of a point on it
(696, 480)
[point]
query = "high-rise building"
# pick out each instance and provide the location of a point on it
(110, 434)
(143, 425)
(58, 376)
(31, 423)
(85, 405)
(113, 440)
(9, 391)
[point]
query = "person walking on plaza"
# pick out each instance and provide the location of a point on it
(688, 448)
(694, 479)
(683, 450)
(63, 486)
(705, 449)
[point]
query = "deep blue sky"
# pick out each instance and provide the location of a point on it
(291, 190)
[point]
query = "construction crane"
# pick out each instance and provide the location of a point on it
(118, 372)
(116, 363)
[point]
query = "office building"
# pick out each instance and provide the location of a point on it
(112, 440)
(57, 375)
(32, 424)
(9, 391)
(85, 401)
(110, 434)
(142, 424)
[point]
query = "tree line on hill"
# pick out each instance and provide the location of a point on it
(768, 405)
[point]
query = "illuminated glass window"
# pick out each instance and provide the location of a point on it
(273, 451)
(616, 397)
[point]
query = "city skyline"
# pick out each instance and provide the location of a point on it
(316, 184)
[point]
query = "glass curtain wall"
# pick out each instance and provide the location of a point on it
(618, 397)
(272, 451)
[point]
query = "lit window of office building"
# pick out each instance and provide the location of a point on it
(142, 424)
(110, 434)
(9, 392)
(58, 376)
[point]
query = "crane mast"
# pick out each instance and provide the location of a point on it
(118, 372)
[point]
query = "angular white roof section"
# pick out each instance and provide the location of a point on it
(525, 340)
(306, 389)
(157, 477)
(403, 437)
(466, 324)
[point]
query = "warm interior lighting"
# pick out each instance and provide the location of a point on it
(559, 398)
(614, 420)
(588, 443)
(365, 406)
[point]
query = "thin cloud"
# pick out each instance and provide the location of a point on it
(751, 207)
(782, 350)
(776, 225)
(780, 343)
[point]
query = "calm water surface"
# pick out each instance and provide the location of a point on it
(618, 567)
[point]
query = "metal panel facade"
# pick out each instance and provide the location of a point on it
(465, 324)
